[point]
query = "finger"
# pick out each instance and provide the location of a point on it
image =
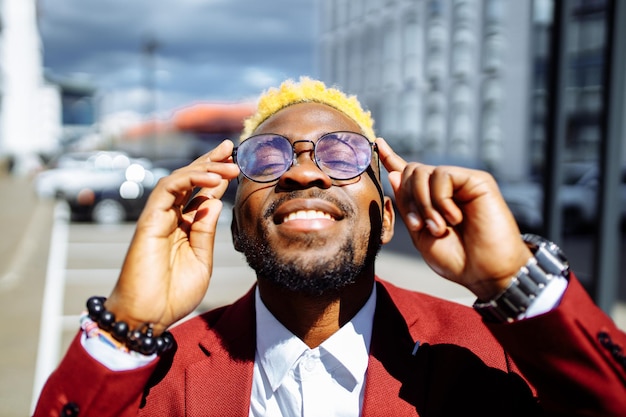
(216, 192)
(202, 233)
(163, 210)
(391, 161)
(419, 199)
(199, 197)
(405, 201)
(221, 153)
(176, 189)
(444, 184)
(181, 182)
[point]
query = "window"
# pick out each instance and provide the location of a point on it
(411, 113)
(354, 64)
(411, 50)
(494, 48)
(391, 54)
(494, 11)
(462, 52)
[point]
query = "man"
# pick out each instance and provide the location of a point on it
(320, 334)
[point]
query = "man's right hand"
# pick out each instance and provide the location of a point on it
(170, 260)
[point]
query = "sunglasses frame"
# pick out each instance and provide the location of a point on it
(371, 144)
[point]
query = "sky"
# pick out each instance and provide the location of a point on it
(207, 50)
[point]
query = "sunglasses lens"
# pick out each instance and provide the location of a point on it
(343, 155)
(264, 158)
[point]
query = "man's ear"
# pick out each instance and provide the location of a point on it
(234, 230)
(389, 220)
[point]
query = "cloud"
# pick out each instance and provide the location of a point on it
(223, 50)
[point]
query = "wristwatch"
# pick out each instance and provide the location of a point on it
(548, 261)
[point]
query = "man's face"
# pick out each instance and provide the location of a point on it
(307, 232)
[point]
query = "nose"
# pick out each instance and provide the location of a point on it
(304, 172)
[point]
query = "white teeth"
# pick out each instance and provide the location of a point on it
(307, 214)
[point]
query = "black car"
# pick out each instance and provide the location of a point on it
(118, 202)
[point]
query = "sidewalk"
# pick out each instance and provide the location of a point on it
(25, 223)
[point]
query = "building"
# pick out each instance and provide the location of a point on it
(29, 107)
(442, 77)
(77, 112)
(586, 44)
(471, 78)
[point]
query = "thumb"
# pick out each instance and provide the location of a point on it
(391, 161)
(395, 178)
(203, 229)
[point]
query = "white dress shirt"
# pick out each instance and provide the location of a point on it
(290, 379)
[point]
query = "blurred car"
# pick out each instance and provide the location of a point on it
(100, 186)
(118, 201)
(72, 172)
(577, 199)
(81, 159)
(125, 199)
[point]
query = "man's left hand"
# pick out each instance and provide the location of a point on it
(459, 221)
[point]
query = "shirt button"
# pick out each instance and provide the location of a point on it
(309, 364)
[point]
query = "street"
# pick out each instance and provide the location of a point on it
(50, 266)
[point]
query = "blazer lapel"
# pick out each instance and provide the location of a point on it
(229, 347)
(392, 377)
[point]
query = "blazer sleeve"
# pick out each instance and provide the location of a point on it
(83, 386)
(573, 355)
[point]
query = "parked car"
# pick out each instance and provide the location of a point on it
(577, 198)
(117, 201)
(100, 186)
(72, 172)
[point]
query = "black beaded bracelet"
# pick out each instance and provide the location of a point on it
(139, 340)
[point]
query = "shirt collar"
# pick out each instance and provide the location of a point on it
(278, 349)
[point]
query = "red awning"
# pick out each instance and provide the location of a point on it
(212, 117)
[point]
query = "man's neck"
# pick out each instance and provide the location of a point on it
(315, 318)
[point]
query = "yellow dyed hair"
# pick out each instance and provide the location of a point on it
(305, 91)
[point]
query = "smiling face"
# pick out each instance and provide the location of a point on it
(306, 232)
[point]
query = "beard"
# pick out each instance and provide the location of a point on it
(307, 273)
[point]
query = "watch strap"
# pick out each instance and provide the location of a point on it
(547, 262)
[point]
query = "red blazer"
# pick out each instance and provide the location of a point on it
(569, 358)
